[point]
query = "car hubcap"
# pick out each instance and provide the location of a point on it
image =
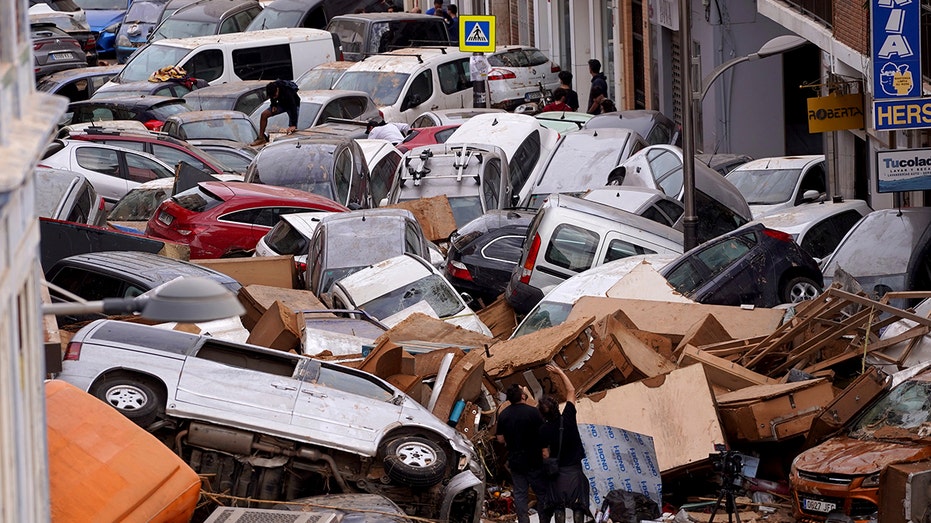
(127, 397)
(416, 454)
(803, 291)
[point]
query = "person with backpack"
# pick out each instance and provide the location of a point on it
(283, 98)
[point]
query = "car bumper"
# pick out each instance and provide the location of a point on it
(521, 296)
(463, 498)
(814, 501)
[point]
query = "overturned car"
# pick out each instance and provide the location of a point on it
(271, 425)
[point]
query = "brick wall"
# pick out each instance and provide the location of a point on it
(852, 24)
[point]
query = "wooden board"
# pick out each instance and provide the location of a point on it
(676, 409)
(499, 317)
(534, 349)
(434, 215)
(706, 331)
(722, 372)
(256, 299)
(420, 327)
(276, 271)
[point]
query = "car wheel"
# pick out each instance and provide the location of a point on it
(799, 289)
(135, 397)
(415, 461)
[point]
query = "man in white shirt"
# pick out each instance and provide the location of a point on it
(378, 129)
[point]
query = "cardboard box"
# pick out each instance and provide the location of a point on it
(279, 328)
(256, 299)
(276, 271)
(773, 412)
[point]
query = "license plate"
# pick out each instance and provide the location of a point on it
(60, 56)
(531, 96)
(817, 505)
(165, 218)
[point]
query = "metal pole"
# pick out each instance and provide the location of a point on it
(690, 221)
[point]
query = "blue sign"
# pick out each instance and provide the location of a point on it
(889, 115)
(903, 170)
(477, 34)
(896, 28)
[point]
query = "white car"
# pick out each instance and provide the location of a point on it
(519, 74)
(817, 228)
(773, 184)
(383, 159)
(291, 236)
(395, 288)
(113, 171)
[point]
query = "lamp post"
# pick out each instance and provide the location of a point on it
(182, 300)
(692, 110)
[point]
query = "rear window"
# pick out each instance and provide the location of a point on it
(163, 112)
(138, 205)
(572, 248)
(310, 169)
(387, 36)
(196, 199)
(285, 239)
(267, 62)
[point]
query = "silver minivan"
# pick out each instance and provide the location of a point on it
(570, 235)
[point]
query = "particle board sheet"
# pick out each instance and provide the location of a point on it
(538, 348)
(434, 215)
(420, 327)
(677, 410)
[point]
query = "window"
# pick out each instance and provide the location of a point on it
(814, 180)
(823, 238)
(263, 63)
(206, 65)
(229, 26)
(82, 206)
(141, 169)
(412, 240)
(420, 91)
(491, 183)
(505, 249)
(350, 35)
(618, 249)
(454, 76)
(382, 176)
(524, 160)
(126, 144)
(342, 175)
(721, 255)
(106, 161)
(572, 248)
(671, 209)
(249, 101)
(245, 216)
(88, 285)
(243, 19)
(685, 278)
(667, 171)
(173, 156)
(658, 135)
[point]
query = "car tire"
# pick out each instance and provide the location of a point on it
(414, 461)
(136, 397)
(799, 289)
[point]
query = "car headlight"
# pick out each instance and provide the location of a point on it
(112, 28)
(870, 481)
(123, 41)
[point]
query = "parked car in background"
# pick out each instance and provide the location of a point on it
(234, 156)
(150, 110)
(483, 253)
(207, 17)
(202, 387)
(406, 82)
(138, 24)
(315, 13)
(232, 126)
(723, 163)
(449, 117)
(365, 34)
(54, 50)
(77, 84)
(331, 168)
(475, 179)
(322, 76)
(235, 96)
(426, 136)
(772, 184)
(69, 196)
(753, 265)
(649, 203)
(383, 160)
(392, 289)
(319, 106)
(581, 161)
(519, 74)
(291, 235)
(223, 219)
(904, 238)
(104, 18)
(144, 88)
(75, 27)
(655, 127)
(343, 243)
(113, 171)
(570, 235)
(818, 228)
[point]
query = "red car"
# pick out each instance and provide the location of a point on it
(427, 136)
(226, 219)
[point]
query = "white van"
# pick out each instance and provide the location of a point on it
(407, 82)
(262, 55)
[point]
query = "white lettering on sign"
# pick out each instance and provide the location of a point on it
(895, 44)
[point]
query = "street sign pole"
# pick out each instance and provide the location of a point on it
(477, 36)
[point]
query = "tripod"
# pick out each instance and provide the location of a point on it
(728, 496)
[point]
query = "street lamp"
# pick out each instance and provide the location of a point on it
(692, 111)
(183, 300)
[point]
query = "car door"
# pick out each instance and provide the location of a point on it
(736, 271)
(455, 84)
(419, 96)
(102, 168)
(139, 169)
(350, 411)
(237, 385)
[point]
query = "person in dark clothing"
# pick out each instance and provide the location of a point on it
(572, 97)
(599, 85)
(569, 489)
(518, 429)
(283, 98)
(453, 24)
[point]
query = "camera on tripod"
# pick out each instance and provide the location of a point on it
(727, 462)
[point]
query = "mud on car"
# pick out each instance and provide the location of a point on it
(271, 425)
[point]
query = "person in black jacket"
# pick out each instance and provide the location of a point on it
(560, 438)
(283, 98)
(599, 86)
(518, 428)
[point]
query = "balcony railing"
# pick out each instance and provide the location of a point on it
(820, 10)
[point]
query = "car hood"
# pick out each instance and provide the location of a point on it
(843, 455)
(99, 19)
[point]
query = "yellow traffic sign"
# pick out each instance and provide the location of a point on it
(477, 34)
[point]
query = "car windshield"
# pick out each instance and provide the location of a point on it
(138, 205)
(146, 12)
(174, 28)
(432, 289)
(272, 18)
(310, 170)
(151, 58)
(103, 5)
(234, 129)
(384, 87)
(904, 413)
(545, 314)
(765, 186)
(579, 162)
(319, 79)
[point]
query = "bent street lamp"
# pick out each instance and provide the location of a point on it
(182, 300)
(778, 45)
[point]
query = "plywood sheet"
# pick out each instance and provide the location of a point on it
(434, 215)
(533, 349)
(499, 317)
(277, 271)
(420, 327)
(676, 409)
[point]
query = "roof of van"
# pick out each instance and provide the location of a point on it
(613, 214)
(285, 34)
(408, 59)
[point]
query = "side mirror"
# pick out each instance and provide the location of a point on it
(616, 176)
(811, 195)
(515, 199)
(383, 202)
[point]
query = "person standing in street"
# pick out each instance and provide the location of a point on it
(283, 98)
(558, 103)
(599, 86)
(560, 438)
(572, 97)
(518, 428)
(453, 27)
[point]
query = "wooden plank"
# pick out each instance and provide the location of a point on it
(534, 349)
(499, 317)
(866, 302)
(821, 339)
(704, 332)
(639, 354)
(420, 327)
(722, 372)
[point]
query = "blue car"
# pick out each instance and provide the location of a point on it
(104, 17)
(140, 20)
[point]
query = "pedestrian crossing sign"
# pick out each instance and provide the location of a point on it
(477, 34)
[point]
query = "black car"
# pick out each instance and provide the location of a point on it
(242, 96)
(150, 110)
(655, 127)
(75, 27)
(205, 17)
(483, 253)
(54, 50)
(752, 265)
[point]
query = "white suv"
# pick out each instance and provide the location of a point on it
(519, 74)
